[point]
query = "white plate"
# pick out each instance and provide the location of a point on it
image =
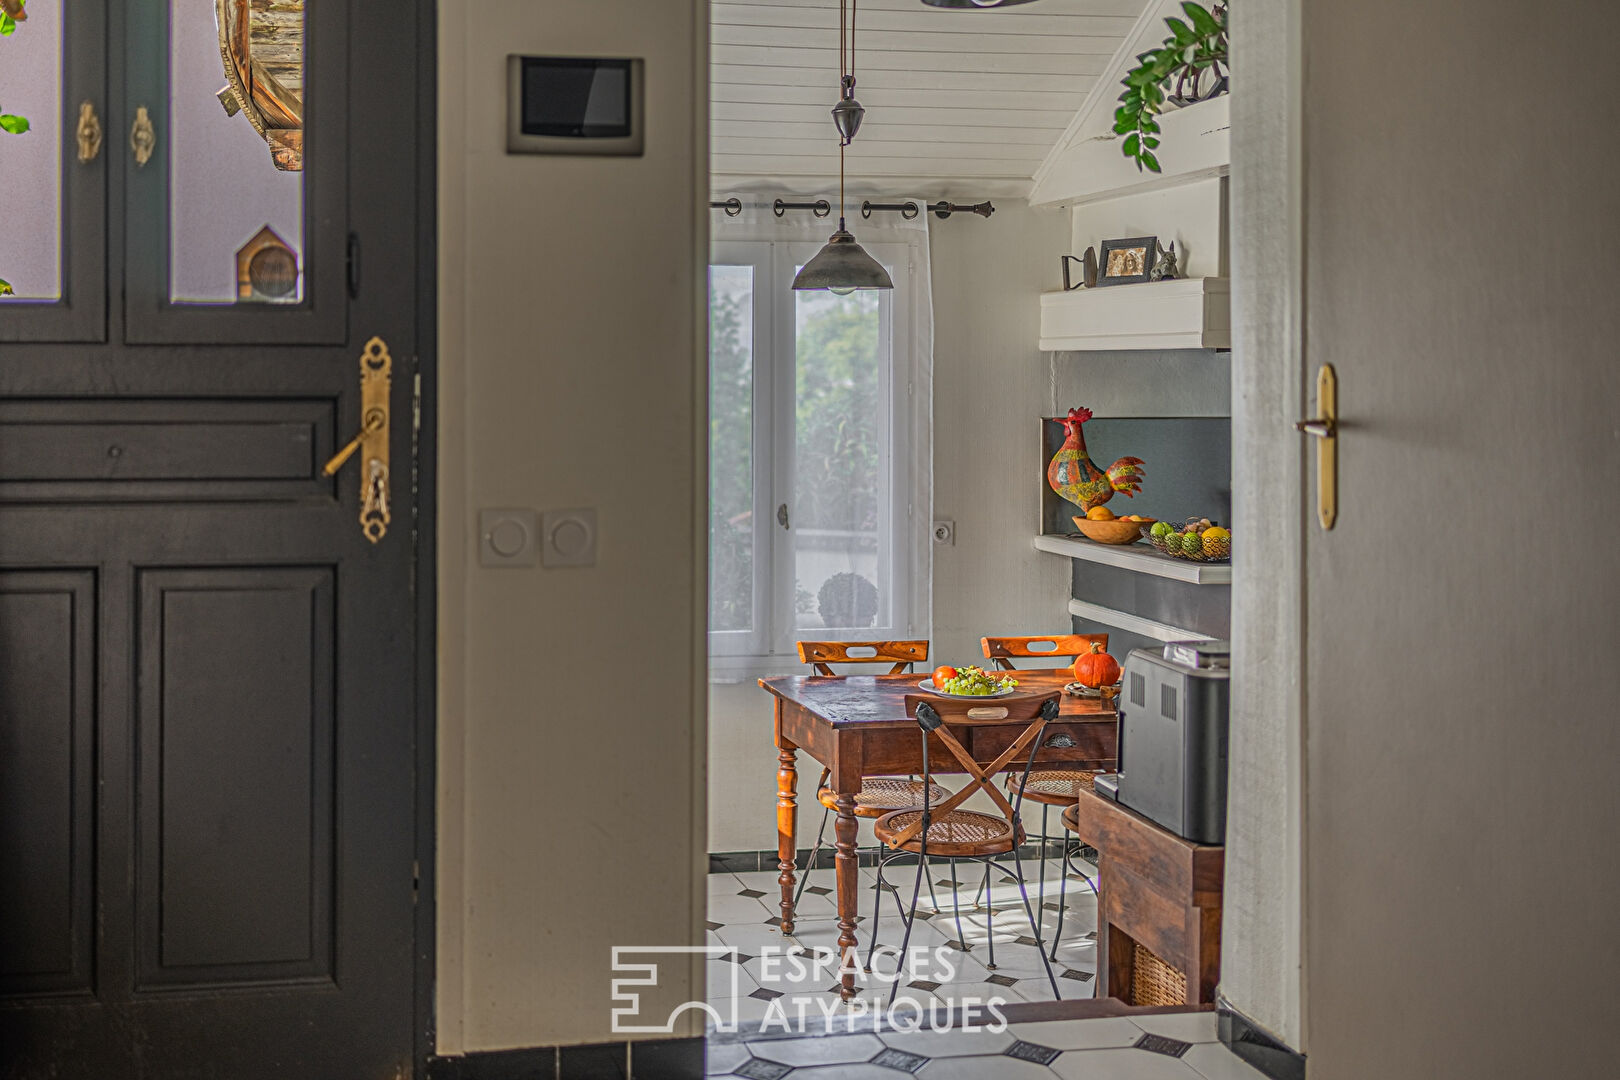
(928, 685)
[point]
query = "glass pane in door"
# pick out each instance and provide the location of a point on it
(32, 142)
(731, 448)
(235, 142)
(839, 461)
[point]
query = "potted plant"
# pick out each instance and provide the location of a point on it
(1194, 55)
(847, 600)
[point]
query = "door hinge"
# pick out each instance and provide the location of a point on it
(354, 266)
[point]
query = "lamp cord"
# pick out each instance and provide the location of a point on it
(846, 66)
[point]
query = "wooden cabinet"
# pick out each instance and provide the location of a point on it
(1158, 907)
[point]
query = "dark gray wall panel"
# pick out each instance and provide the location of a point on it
(47, 783)
(236, 767)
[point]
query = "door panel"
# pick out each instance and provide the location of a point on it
(223, 882)
(47, 668)
(56, 207)
(236, 747)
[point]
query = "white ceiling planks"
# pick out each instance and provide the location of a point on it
(958, 102)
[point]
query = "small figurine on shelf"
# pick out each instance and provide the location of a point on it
(1074, 477)
(1164, 264)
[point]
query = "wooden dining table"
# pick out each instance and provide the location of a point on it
(856, 725)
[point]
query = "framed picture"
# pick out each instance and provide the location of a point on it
(1125, 262)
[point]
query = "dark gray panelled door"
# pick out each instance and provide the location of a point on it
(207, 668)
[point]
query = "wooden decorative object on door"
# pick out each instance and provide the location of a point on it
(261, 45)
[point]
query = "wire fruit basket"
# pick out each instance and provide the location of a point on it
(1204, 549)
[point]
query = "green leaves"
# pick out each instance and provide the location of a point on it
(8, 25)
(6, 289)
(16, 125)
(1197, 44)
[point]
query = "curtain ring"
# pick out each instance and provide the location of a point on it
(822, 208)
(908, 211)
(732, 207)
(778, 208)
(866, 209)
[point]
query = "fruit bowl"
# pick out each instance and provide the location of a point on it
(1112, 532)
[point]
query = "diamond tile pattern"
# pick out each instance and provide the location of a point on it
(1028, 1051)
(899, 1059)
(1162, 1044)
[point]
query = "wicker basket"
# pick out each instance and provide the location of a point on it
(1154, 982)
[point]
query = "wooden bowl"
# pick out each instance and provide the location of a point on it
(1112, 532)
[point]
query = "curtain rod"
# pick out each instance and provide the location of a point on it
(907, 210)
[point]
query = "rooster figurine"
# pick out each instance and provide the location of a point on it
(1073, 476)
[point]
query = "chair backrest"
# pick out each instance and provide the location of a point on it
(934, 713)
(1059, 646)
(902, 654)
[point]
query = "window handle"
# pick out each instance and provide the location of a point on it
(142, 136)
(782, 515)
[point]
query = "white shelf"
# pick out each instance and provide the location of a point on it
(1124, 620)
(1188, 313)
(1138, 557)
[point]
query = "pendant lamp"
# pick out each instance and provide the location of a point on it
(842, 265)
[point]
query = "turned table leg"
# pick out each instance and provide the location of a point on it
(849, 885)
(787, 820)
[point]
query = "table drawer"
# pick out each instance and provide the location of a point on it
(1085, 742)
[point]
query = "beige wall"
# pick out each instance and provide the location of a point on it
(571, 700)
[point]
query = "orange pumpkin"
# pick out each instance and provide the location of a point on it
(1096, 668)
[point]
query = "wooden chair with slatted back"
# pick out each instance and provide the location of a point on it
(1049, 787)
(878, 794)
(944, 828)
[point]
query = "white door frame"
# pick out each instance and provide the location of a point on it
(1262, 952)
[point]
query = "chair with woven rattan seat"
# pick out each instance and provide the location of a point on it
(1049, 787)
(879, 794)
(944, 828)
(1071, 822)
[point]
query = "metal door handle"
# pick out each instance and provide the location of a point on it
(89, 133)
(142, 137)
(376, 378)
(1325, 429)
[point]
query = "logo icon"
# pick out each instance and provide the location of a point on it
(627, 998)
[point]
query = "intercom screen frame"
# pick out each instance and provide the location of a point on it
(522, 136)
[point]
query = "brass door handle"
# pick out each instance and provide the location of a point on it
(1325, 429)
(142, 137)
(89, 133)
(376, 378)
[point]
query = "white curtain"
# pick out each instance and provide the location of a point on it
(828, 503)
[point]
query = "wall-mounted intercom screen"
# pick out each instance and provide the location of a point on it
(573, 105)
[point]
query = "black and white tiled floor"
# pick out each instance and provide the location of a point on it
(744, 913)
(1166, 1046)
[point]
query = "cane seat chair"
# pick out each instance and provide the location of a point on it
(1071, 823)
(879, 794)
(1051, 786)
(948, 830)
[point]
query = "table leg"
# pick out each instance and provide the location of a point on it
(845, 828)
(787, 820)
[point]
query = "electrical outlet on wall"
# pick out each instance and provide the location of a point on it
(945, 533)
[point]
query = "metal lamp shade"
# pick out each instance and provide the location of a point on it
(843, 266)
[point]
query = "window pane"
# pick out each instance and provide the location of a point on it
(31, 162)
(731, 452)
(838, 463)
(236, 187)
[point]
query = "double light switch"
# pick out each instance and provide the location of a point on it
(520, 537)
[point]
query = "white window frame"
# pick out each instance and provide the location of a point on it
(771, 643)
